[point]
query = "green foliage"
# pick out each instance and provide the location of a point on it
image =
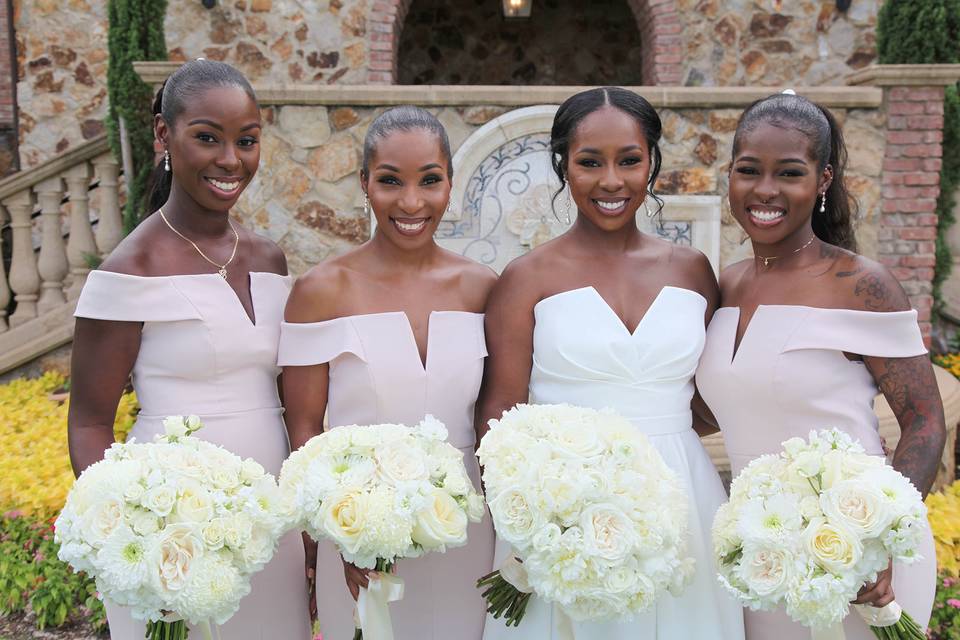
(135, 34)
(945, 619)
(32, 575)
(928, 32)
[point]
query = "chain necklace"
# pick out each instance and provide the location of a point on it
(768, 259)
(221, 268)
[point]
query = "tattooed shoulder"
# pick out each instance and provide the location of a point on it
(874, 288)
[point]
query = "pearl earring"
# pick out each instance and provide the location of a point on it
(823, 203)
(166, 160)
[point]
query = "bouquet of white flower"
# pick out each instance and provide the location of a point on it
(380, 493)
(595, 515)
(808, 527)
(172, 529)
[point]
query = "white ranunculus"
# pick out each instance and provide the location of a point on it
(143, 521)
(441, 523)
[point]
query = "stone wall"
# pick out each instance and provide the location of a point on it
(593, 43)
(307, 194)
(776, 42)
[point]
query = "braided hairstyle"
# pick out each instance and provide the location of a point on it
(835, 224)
(189, 81)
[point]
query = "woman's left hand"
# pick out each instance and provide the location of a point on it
(879, 593)
(310, 570)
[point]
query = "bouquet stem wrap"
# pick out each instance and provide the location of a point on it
(890, 622)
(373, 610)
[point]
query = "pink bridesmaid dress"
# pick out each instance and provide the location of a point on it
(200, 353)
(788, 376)
(376, 376)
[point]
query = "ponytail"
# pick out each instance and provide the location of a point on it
(160, 180)
(835, 225)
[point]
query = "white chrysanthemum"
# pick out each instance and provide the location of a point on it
(213, 592)
(770, 520)
(125, 560)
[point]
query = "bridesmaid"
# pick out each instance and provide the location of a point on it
(390, 332)
(190, 304)
(809, 330)
(607, 316)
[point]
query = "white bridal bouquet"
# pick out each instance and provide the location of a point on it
(380, 493)
(172, 529)
(596, 517)
(808, 527)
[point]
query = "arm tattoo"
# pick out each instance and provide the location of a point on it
(911, 389)
(874, 291)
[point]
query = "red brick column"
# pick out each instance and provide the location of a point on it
(911, 185)
(384, 25)
(9, 157)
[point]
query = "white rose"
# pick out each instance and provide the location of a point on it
(194, 505)
(160, 499)
(622, 578)
(174, 427)
(400, 461)
(576, 441)
(607, 532)
(343, 517)
(514, 517)
(835, 548)
(133, 491)
(857, 506)
(441, 523)
(456, 481)
(475, 507)
(767, 571)
(251, 470)
(193, 423)
(179, 548)
(237, 531)
(101, 519)
(213, 534)
(144, 522)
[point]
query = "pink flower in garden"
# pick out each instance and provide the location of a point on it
(38, 556)
(949, 582)
(10, 515)
(953, 602)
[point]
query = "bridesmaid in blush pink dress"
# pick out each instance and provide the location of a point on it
(390, 332)
(190, 304)
(808, 331)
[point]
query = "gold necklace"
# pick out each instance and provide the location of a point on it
(221, 268)
(767, 259)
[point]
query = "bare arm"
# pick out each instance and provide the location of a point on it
(509, 329)
(104, 353)
(910, 387)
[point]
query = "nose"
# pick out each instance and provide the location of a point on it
(610, 179)
(410, 201)
(767, 188)
(228, 158)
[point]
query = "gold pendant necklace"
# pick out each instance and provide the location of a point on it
(768, 259)
(221, 268)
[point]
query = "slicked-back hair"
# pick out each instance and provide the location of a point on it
(404, 118)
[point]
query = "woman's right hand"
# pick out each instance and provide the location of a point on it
(356, 577)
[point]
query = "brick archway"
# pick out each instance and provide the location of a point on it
(659, 22)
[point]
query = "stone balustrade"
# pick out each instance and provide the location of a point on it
(52, 211)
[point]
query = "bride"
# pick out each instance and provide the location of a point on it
(607, 316)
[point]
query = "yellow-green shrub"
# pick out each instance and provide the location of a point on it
(33, 444)
(944, 515)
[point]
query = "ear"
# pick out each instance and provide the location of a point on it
(161, 134)
(826, 179)
(364, 180)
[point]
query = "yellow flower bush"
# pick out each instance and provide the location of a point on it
(950, 362)
(33, 444)
(944, 515)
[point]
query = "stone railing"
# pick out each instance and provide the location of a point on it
(56, 233)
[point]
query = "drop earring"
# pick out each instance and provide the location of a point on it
(166, 160)
(823, 203)
(567, 204)
(366, 205)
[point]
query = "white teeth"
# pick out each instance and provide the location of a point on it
(610, 206)
(766, 216)
(224, 186)
(408, 226)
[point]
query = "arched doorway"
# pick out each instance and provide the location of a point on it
(658, 22)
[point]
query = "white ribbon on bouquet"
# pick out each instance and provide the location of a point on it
(874, 616)
(373, 610)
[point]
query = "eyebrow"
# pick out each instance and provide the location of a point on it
(784, 161)
(211, 123)
(630, 147)
(426, 167)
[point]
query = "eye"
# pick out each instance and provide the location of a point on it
(588, 162)
(431, 178)
(747, 171)
(247, 142)
(388, 180)
(631, 160)
(206, 137)
(793, 173)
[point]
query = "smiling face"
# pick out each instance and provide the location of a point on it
(214, 146)
(408, 186)
(775, 185)
(608, 168)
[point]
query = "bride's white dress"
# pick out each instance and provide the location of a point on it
(584, 355)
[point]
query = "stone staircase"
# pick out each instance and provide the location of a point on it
(59, 217)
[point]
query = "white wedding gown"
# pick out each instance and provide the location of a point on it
(584, 355)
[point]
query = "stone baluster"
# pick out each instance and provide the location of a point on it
(52, 263)
(110, 223)
(81, 244)
(5, 294)
(24, 278)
